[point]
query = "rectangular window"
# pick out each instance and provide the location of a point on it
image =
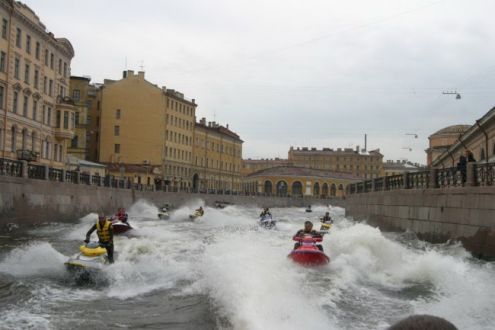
(3, 59)
(2, 91)
(5, 28)
(76, 94)
(16, 68)
(46, 57)
(116, 148)
(76, 121)
(18, 38)
(45, 84)
(65, 70)
(50, 88)
(59, 66)
(28, 44)
(58, 119)
(15, 102)
(52, 59)
(36, 78)
(25, 106)
(66, 120)
(26, 73)
(37, 50)
(49, 117)
(117, 114)
(116, 130)
(35, 109)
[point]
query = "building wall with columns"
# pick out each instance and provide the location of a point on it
(36, 117)
(296, 181)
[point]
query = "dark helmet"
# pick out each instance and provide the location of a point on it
(308, 223)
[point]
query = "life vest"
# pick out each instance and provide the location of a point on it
(103, 233)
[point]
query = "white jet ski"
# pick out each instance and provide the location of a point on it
(267, 222)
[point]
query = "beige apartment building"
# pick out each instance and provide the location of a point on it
(364, 165)
(217, 158)
(36, 116)
(83, 94)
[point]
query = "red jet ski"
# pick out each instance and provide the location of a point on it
(307, 253)
(120, 224)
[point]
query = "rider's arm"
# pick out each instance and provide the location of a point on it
(110, 231)
(90, 231)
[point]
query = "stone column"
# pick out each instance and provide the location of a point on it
(78, 177)
(470, 175)
(24, 169)
(47, 172)
(63, 175)
(406, 180)
(433, 178)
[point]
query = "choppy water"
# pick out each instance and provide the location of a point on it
(225, 273)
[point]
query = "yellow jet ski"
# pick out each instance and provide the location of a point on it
(91, 259)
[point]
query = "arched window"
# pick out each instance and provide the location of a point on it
(281, 188)
(333, 190)
(324, 190)
(316, 189)
(268, 187)
(13, 141)
(297, 188)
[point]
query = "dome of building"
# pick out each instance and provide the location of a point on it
(454, 129)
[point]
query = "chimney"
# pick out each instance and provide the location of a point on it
(357, 149)
(365, 142)
(193, 101)
(227, 126)
(124, 74)
(141, 75)
(130, 73)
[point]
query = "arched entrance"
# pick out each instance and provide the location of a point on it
(282, 188)
(316, 189)
(324, 190)
(195, 182)
(333, 190)
(268, 187)
(297, 188)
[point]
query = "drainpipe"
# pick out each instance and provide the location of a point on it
(486, 139)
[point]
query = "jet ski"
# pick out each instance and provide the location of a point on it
(325, 227)
(308, 254)
(163, 214)
(195, 215)
(91, 259)
(267, 222)
(119, 226)
(308, 210)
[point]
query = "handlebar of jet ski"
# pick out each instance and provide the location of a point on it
(301, 239)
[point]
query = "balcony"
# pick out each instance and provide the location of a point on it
(64, 133)
(27, 155)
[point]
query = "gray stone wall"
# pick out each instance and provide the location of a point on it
(30, 202)
(437, 215)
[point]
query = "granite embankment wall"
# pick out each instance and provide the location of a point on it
(30, 202)
(466, 214)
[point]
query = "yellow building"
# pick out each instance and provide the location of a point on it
(83, 94)
(217, 158)
(253, 165)
(36, 116)
(365, 165)
(297, 182)
(442, 140)
(179, 130)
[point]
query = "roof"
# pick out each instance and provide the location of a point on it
(220, 129)
(454, 129)
(302, 171)
(81, 162)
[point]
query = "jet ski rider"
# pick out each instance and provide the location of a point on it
(265, 213)
(103, 227)
(308, 230)
(327, 218)
(122, 215)
(200, 211)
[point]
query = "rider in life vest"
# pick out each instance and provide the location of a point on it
(103, 228)
(308, 230)
(265, 213)
(200, 211)
(327, 218)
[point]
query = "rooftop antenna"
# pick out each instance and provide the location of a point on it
(142, 65)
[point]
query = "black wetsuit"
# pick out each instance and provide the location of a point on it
(327, 219)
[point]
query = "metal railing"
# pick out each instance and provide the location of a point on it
(474, 174)
(55, 174)
(36, 172)
(10, 167)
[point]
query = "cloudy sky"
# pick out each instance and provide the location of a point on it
(287, 73)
